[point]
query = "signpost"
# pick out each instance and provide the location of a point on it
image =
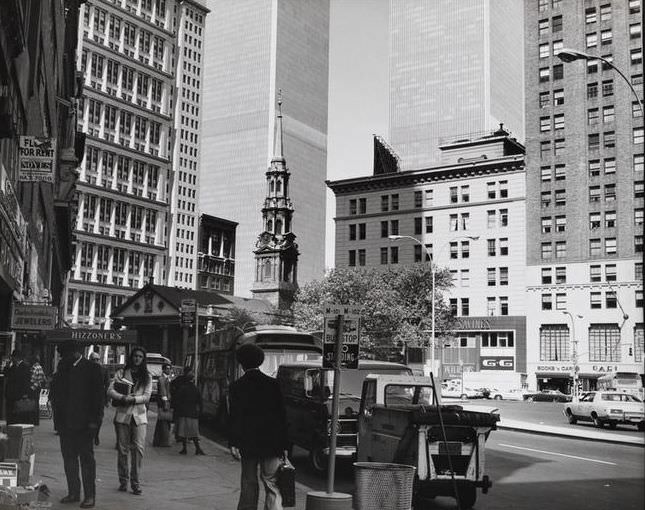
(188, 310)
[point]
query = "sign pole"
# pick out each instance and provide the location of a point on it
(331, 473)
(196, 343)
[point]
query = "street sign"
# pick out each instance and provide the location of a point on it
(351, 335)
(187, 309)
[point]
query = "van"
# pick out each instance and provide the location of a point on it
(307, 388)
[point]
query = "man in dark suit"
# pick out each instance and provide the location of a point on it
(258, 429)
(77, 396)
(18, 387)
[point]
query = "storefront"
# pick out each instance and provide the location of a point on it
(559, 376)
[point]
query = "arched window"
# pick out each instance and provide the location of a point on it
(278, 226)
(270, 225)
(272, 185)
(279, 186)
(267, 269)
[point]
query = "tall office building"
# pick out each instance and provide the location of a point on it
(255, 48)
(136, 218)
(584, 192)
(455, 68)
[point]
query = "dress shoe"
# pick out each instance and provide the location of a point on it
(123, 487)
(87, 503)
(70, 499)
(136, 491)
(199, 451)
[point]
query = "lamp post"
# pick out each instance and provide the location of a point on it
(568, 55)
(432, 272)
(574, 352)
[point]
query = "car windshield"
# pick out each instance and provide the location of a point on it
(351, 381)
(619, 397)
(400, 394)
(154, 369)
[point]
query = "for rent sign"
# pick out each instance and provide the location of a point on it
(37, 159)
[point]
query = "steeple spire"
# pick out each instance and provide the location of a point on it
(278, 154)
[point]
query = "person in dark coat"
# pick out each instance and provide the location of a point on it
(77, 402)
(18, 388)
(95, 357)
(187, 406)
(257, 429)
(162, 428)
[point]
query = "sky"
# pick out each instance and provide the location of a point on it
(358, 93)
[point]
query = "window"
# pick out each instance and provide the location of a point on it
(543, 27)
(465, 221)
(560, 197)
(638, 216)
(610, 165)
(634, 6)
(545, 124)
(394, 227)
(556, 24)
(606, 63)
(544, 99)
(610, 192)
(560, 249)
(503, 276)
(554, 342)
(491, 219)
(592, 90)
(491, 190)
(428, 224)
(593, 141)
(560, 172)
(594, 168)
(418, 255)
(465, 278)
(592, 116)
(352, 232)
(636, 111)
(610, 246)
(608, 114)
(605, 37)
(418, 199)
(465, 249)
(604, 342)
(544, 74)
(560, 223)
(384, 229)
(594, 273)
(590, 15)
(610, 272)
(638, 135)
(558, 72)
(385, 203)
(491, 278)
(465, 193)
(594, 220)
(503, 246)
(453, 222)
(546, 225)
(417, 225)
(429, 196)
(394, 254)
(594, 193)
(362, 205)
(605, 12)
(503, 217)
(638, 295)
(560, 275)
(503, 305)
(638, 244)
(352, 207)
(491, 306)
(395, 202)
(453, 195)
(558, 97)
(352, 258)
(592, 40)
(547, 302)
(610, 219)
(607, 88)
(638, 271)
(362, 230)
(547, 251)
(361, 257)
(545, 173)
(454, 307)
(547, 277)
(561, 301)
(543, 5)
(491, 247)
(610, 299)
(636, 56)
(609, 139)
(595, 300)
(638, 189)
(592, 66)
(465, 307)
(558, 146)
(557, 47)
(594, 247)
(454, 250)
(545, 148)
(635, 31)
(558, 121)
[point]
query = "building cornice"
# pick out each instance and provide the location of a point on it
(125, 197)
(120, 102)
(115, 242)
(141, 156)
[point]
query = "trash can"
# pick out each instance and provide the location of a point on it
(382, 485)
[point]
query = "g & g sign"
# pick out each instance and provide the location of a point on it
(497, 363)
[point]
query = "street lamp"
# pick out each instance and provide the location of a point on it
(574, 352)
(568, 55)
(432, 272)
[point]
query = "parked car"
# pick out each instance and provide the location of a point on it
(464, 393)
(514, 394)
(547, 396)
(607, 407)
(485, 392)
(155, 361)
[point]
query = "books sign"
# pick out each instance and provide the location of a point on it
(37, 159)
(349, 341)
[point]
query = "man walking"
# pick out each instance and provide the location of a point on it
(95, 357)
(77, 396)
(258, 429)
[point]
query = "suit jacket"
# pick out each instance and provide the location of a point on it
(77, 395)
(141, 393)
(163, 388)
(18, 381)
(258, 419)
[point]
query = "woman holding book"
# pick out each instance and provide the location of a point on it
(130, 392)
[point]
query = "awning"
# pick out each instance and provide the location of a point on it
(88, 336)
(552, 375)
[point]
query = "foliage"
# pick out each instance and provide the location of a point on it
(396, 303)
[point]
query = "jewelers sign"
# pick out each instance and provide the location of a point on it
(37, 159)
(33, 317)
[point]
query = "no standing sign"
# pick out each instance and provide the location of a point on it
(349, 341)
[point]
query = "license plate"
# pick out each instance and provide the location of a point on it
(449, 448)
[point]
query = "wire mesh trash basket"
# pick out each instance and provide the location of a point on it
(381, 485)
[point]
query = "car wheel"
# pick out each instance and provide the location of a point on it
(463, 396)
(497, 397)
(612, 425)
(467, 495)
(596, 421)
(318, 460)
(641, 426)
(571, 418)
(529, 399)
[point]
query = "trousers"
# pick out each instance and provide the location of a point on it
(131, 441)
(250, 488)
(75, 446)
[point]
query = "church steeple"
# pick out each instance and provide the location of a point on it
(276, 253)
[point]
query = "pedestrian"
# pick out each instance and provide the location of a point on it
(257, 429)
(130, 393)
(187, 406)
(38, 382)
(21, 405)
(77, 402)
(174, 385)
(95, 357)
(162, 428)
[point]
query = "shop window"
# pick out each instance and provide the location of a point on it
(604, 340)
(554, 342)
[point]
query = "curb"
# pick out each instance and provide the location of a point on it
(628, 441)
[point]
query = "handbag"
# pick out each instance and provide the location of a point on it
(163, 415)
(24, 405)
(287, 482)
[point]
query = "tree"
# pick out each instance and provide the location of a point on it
(396, 304)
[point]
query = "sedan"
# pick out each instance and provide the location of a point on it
(463, 394)
(547, 396)
(607, 407)
(514, 394)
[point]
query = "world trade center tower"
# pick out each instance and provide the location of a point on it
(253, 50)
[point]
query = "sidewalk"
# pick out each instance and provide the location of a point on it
(170, 482)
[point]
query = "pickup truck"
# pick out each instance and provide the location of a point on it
(401, 420)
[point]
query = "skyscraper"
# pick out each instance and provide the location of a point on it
(455, 68)
(254, 48)
(136, 219)
(584, 155)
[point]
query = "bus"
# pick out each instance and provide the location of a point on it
(626, 382)
(217, 367)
